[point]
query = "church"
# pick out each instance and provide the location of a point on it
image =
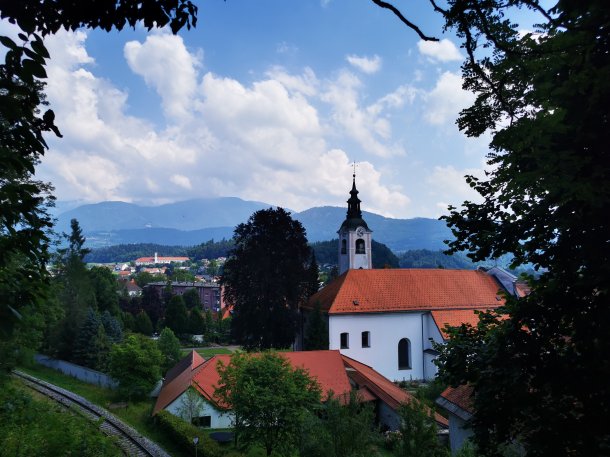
(388, 318)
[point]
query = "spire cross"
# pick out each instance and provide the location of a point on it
(354, 165)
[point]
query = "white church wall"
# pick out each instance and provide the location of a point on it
(218, 419)
(386, 330)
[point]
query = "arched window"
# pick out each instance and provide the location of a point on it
(404, 354)
(360, 246)
(344, 246)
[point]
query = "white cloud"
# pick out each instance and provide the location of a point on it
(448, 185)
(447, 99)
(360, 124)
(307, 83)
(166, 65)
(263, 141)
(181, 181)
(368, 65)
(443, 51)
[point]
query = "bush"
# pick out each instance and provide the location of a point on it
(183, 433)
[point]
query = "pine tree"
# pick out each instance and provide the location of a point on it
(316, 333)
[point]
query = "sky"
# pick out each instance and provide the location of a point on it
(267, 100)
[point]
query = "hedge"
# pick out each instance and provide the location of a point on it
(182, 433)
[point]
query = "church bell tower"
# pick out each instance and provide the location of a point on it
(354, 236)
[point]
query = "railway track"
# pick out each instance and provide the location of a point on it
(128, 439)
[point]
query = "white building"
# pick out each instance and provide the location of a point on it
(333, 371)
(389, 318)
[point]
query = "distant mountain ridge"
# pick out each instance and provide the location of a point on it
(196, 221)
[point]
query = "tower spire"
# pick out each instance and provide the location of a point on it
(353, 204)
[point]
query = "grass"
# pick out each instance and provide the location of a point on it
(206, 353)
(137, 413)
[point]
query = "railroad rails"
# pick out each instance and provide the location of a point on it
(128, 439)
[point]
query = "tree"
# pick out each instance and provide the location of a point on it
(191, 299)
(143, 324)
(24, 220)
(349, 426)
(418, 432)
(169, 346)
(112, 327)
(316, 332)
(543, 97)
(268, 398)
(196, 322)
(91, 345)
(105, 287)
(266, 279)
(176, 316)
(136, 365)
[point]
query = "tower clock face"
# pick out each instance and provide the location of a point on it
(360, 231)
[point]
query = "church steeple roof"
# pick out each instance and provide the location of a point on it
(354, 213)
(353, 204)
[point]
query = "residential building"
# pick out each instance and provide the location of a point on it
(210, 294)
(333, 372)
(157, 260)
(457, 401)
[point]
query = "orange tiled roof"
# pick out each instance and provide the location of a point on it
(454, 318)
(325, 366)
(177, 380)
(387, 290)
(460, 396)
(381, 387)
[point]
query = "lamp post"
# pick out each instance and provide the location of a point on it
(195, 442)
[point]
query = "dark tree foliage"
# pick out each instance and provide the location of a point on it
(176, 316)
(153, 304)
(424, 258)
(112, 327)
(143, 324)
(105, 287)
(266, 279)
(91, 345)
(191, 299)
(327, 253)
(540, 376)
(316, 331)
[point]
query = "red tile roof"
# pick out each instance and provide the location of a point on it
(177, 380)
(381, 387)
(460, 396)
(454, 318)
(325, 366)
(387, 290)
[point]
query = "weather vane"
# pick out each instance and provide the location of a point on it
(354, 165)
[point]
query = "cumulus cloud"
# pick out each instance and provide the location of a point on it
(368, 65)
(447, 99)
(167, 66)
(364, 126)
(261, 141)
(448, 185)
(441, 51)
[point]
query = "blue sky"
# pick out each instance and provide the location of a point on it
(267, 100)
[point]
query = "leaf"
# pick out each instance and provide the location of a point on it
(34, 68)
(7, 42)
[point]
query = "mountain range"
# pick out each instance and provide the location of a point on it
(195, 221)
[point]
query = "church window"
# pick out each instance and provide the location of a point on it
(366, 339)
(343, 246)
(360, 246)
(345, 341)
(404, 354)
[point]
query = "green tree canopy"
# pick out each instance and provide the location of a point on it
(169, 346)
(316, 331)
(136, 365)
(268, 398)
(539, 375)
(266, 279)
(176, 316)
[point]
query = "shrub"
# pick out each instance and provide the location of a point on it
(183, 433)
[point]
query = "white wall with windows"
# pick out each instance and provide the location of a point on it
(385, 331)
(217, 419)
